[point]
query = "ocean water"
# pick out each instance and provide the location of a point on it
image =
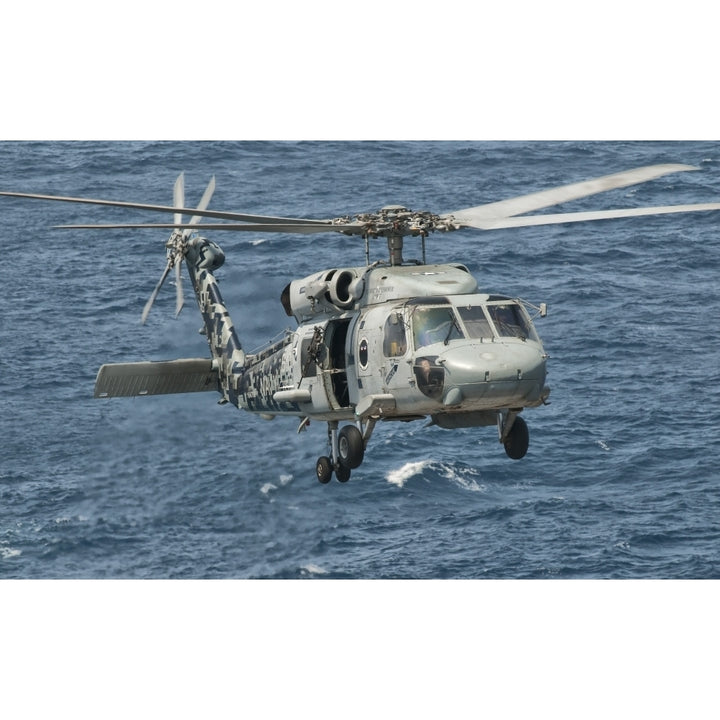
(620, 481)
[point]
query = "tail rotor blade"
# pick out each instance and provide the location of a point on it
(179, 196)
(179, 299)
(202, 205)
(155, 292)
(204, 200)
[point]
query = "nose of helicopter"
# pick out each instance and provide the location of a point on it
(512, 373)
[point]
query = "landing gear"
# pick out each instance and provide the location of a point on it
(514, 434)
(342, 473)
(324, 469)
(347, 450)
(351, 449)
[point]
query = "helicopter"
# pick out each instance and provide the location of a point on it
(391, 340)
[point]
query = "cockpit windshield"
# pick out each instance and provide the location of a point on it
(435, 324)
(475, 321)
(510, 321)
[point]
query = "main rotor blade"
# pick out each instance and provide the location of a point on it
(558, 218)
(179, 196)
(235, 227)
(239, 217)
(475, 216)
(155, 292)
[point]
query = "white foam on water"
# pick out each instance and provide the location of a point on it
(313, 569)
(464, 479)
(7, 552)
(402, 475)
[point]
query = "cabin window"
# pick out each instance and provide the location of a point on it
(475, 321)
(394, 339)
(510, 321)
(433, 325)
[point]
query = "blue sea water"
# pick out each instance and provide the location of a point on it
(621, 477)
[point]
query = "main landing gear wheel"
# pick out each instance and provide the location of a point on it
(518, 439)
(351, 448)
(342, 473)
(324, 469)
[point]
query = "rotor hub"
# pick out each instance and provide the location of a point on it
(395, 222)
(398, 221)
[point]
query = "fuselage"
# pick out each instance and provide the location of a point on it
(438, 356)
(393, 342)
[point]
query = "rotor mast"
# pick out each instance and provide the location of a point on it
(395, 248)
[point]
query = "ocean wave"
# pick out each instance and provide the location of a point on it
(465, 478)
(400, 476)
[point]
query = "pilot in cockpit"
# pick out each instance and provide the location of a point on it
(432, 325)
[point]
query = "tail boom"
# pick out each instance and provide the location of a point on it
(228, 358)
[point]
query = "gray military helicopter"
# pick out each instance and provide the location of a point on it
(389, 340)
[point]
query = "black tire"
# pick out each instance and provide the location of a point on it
(351, 449)
(342, 474)
(518, 440)
(324, 469)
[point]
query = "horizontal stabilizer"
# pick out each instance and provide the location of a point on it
(155, 378)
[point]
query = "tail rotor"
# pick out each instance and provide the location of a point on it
(177, 243)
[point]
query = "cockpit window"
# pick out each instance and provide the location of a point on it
(475, 321)
(510, 321)
(433, 325)
(394, 342)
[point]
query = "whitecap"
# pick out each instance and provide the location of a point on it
(258, 241)
(462, 479)
(267, 487)
(313, 569)
(7, 552)
(402, 475)
(285, 480)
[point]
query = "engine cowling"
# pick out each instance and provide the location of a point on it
(346, 288)
(326, 293)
